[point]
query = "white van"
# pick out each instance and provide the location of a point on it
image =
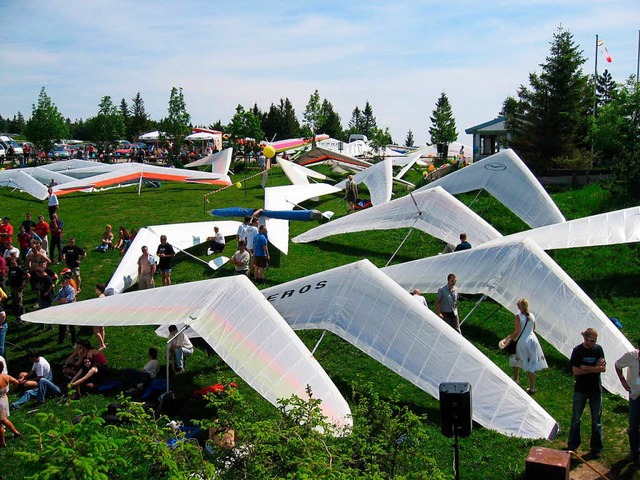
(357, 136)
(6, 141)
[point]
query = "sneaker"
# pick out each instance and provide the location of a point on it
(209, 252)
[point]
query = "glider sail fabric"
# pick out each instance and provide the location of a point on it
(180, 235)
(508, 272)
(119, 174)
(620, 226)
(434, 211)
(297, 174)
(235, 319)
(366, 308)
(220, 162)
(378, 179)
(16, 179)
(319, 155)
(508, 179)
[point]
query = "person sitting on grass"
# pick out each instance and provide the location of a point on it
(83, 349)
(216, 243)
(106, 241)
(39, 369)
(123, 236)
(180, 346)
(136, 380)
(87, 378)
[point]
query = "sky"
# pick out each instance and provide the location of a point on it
(398, 55)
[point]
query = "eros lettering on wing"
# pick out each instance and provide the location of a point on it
(290, 293)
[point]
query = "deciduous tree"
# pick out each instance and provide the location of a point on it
(46, 125)
(108, 125)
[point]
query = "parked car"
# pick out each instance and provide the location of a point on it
(126, 149)
(6, 141)
(60, 152)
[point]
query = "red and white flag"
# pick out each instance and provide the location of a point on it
(605, 52)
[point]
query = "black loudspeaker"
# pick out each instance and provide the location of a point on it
(455, 409)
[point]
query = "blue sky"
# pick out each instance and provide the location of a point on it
(397, 55)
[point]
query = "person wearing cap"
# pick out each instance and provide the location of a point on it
(587, 364)
(66, 294)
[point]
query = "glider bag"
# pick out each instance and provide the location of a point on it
(455, 409)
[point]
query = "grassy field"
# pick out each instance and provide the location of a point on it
(609, 275)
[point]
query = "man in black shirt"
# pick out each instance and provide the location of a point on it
(72, 256)
(587, 363)
(166, 253)
(17, 277)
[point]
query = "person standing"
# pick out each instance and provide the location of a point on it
(66, 294)
(146, 270)
(416, 294)
(6, 234)
(42, 230)
(631, 361)
(73, 256)
(463, 245)
(17, 279)
(250, 235)
(242, 229)
(4, 326)
(261, 249)
(53, 203)
(352, 194)
(587, 364)
(166, 253)
(529, 355)
(56, 227)
(447, 303)
(5, 380)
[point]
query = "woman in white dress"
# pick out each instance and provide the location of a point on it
(529, 355)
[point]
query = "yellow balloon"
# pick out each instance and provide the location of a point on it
(269, 151)
(239, 184)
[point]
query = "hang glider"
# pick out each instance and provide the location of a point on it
(319, 156)
(293, 143)
(378, 179)
(507, 272)
(407, 163)
(285, 198)
(300, 215)
(220, 162)
(506, 177)
(620, 226)
(126, 173)
(65, 165)
(180, 235)
(357, 148)
(15, 178)
(434, 211)
(232, 316)
(297, 174)
(365, 307)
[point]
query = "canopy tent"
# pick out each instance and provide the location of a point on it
(297, 174)
(151, 136)
(508, 179)
(285, 198)
(15, 178)
(220, 162)
(235, 319)
(378, 179)
(201, 136)
(180, 235)
(620, 226)
(126, 173)
(319, 155)
(434, 211)
(507, 272)
(360, 304)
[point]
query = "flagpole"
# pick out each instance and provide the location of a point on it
(595, 93)
(638, 63)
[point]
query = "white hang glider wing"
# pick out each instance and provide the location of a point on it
(378, 179)
(235, 319)
(285, 198)
(66, 165)
(125, 173)
(180, 235)
(507, 272)
(14, 178)
(407, 163)
(319, 156)
(45, 176)
(620, 226)
(297, 174)
(508, 179)
(366, 308)
(434, 211)
(220, 161)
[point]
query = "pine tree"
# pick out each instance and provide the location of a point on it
(368, 120)
(553, 119)
(357, 121)
(605, 89)
(290, 124)
(331, 121)
(409, 141)
(139, 120)
(443, 129)
(46, 125)
(126, 118)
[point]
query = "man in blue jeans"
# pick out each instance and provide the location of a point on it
(587, 363)
(631, 361)
(4, 326)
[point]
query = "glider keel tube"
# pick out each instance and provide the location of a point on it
(369, 310)
(235, 319)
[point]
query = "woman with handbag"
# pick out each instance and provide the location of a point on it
(528, 352)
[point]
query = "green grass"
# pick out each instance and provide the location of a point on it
(609, 275)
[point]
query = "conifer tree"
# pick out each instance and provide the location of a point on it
(409, 141)
(443, 125)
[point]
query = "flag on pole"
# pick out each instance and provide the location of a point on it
(604, 51)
